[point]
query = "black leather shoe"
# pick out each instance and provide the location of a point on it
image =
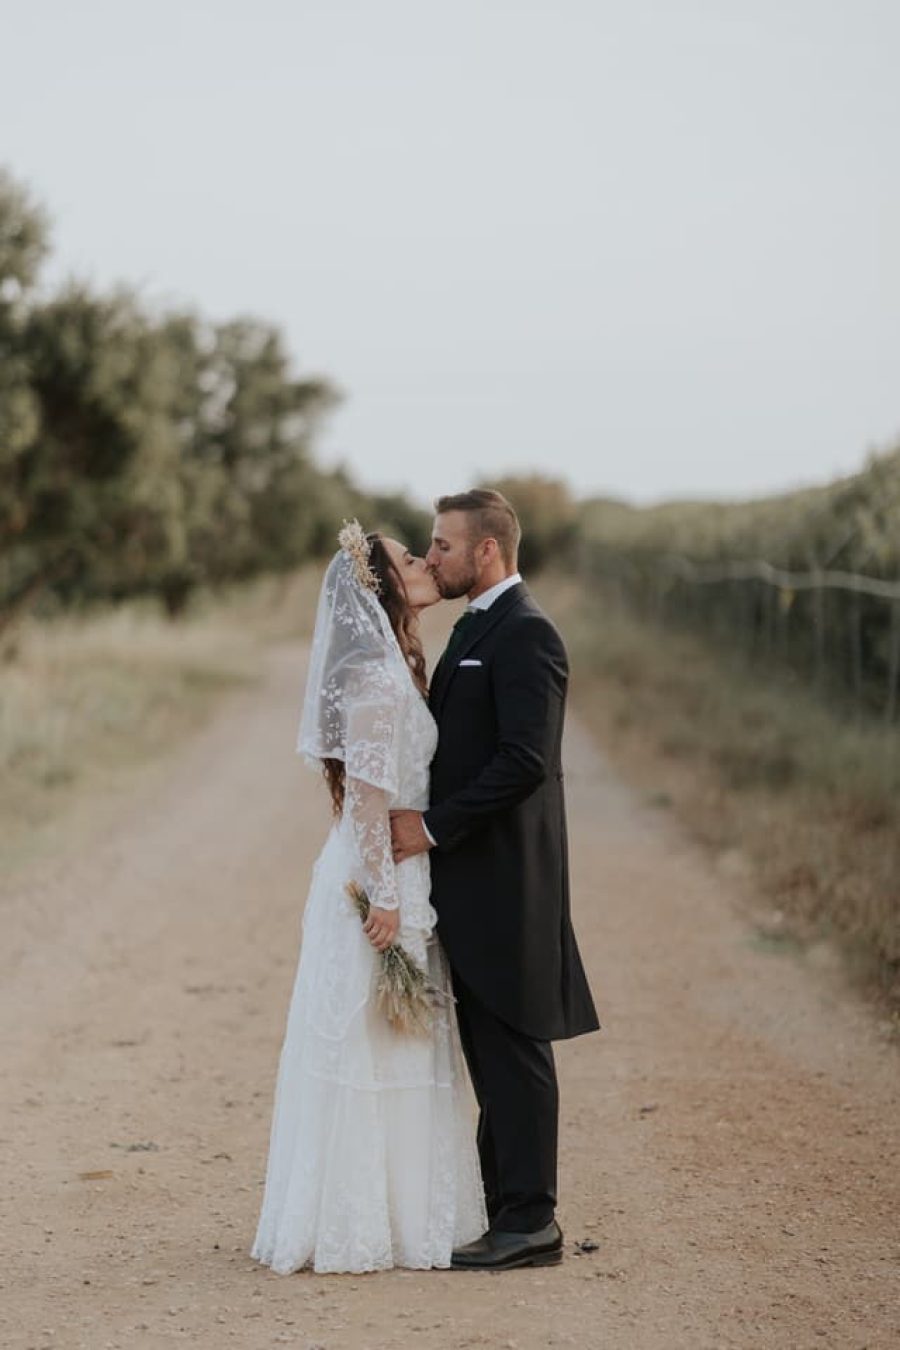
(507, 1251)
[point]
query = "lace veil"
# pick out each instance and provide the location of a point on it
(352, 685)
(351, 711)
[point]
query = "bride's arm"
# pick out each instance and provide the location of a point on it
(366, 807)
(371, 773)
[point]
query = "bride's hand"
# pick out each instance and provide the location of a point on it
(381, 927)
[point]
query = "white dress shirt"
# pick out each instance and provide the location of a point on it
(482, 601)
(487, 598)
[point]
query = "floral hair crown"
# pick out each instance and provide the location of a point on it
(352, 539)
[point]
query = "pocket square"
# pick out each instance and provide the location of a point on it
(468, 662)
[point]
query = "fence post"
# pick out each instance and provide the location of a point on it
(818, 599)
(890, 707)
(856, 650)
(783, 609)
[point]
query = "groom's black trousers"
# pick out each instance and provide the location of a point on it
(514, 1077)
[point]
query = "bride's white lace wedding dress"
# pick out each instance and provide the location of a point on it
(372, 1156)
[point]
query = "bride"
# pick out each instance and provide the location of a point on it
(372, 1156)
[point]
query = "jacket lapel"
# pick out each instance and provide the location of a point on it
(443, 673)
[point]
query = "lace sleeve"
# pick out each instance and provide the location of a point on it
(372, 779)
(366, 807)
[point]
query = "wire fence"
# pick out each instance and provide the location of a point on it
(840, 630)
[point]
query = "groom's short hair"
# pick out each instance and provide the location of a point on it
(490, 515)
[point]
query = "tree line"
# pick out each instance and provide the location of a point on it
(152, 453)
(146, 452)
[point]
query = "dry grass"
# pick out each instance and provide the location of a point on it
(781, 790)
(83, 700)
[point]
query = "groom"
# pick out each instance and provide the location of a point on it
(496, 829)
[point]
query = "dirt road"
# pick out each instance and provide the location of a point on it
(730, 1140)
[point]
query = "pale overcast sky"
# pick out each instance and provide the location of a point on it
(648, 245)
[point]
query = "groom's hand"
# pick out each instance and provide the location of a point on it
(408, 835)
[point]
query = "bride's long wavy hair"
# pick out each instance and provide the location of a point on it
(392, 595)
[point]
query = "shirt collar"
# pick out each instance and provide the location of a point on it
(487, 598)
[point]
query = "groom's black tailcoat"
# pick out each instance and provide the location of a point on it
(500, 877)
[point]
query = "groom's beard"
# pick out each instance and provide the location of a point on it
(451, 588)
